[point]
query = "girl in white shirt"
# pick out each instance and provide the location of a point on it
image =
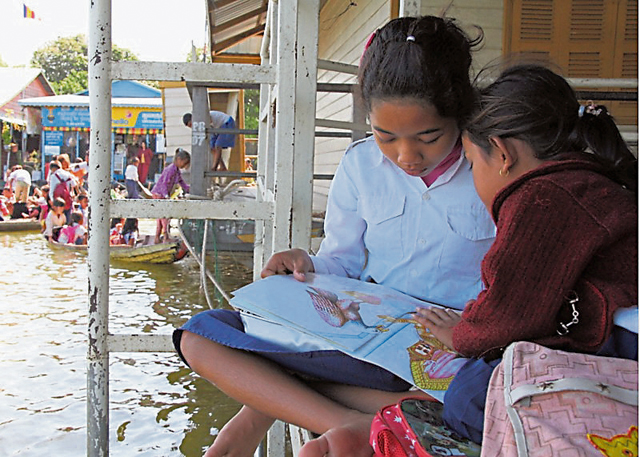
(402, 212)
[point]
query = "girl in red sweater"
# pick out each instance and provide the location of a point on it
(561, 186)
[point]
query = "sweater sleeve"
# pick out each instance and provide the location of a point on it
(544, 241)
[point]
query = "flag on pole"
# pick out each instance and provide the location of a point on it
(28, 12)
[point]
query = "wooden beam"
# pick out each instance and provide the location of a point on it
(253, 59)
(239, 19)
(226, 44)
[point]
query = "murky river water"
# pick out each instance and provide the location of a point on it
(158, 407)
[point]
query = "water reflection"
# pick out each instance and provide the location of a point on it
(158, 407)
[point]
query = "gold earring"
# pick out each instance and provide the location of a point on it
(506, 173)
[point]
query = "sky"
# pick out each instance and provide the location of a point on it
(155, 30)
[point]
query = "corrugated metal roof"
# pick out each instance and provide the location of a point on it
(232, 22)
(83, 100)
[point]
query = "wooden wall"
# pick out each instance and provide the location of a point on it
(343, 31)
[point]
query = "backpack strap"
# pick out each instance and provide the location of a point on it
(628, 396)
(516, 422)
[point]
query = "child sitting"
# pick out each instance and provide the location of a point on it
(55, 220)
(74, 233)
(561, 185)
(130, 231)
(115, 231)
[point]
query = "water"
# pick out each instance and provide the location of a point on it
(158, 407)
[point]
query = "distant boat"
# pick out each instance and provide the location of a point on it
(20, 225)
(146, 252)
(231, 235)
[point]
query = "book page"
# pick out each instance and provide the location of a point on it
(365, 320)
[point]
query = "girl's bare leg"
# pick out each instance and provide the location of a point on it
(352, 439)
(267, 391)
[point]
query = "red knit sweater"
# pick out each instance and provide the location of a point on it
(560, 228)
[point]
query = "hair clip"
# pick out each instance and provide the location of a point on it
(411, 38)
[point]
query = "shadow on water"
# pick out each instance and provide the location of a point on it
(158, 407)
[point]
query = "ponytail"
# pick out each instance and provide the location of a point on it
(597, 129)
(534, 104)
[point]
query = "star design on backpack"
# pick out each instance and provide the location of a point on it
(603, 387)
(545, 385)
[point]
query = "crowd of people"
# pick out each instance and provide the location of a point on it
(61, 204)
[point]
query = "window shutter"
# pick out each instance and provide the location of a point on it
(585, 38)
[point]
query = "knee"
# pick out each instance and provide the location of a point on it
(197, 350)
(189, 344)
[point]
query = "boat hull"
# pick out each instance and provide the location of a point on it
(20, 225)
(168, 252)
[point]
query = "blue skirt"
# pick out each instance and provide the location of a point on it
(225, 327)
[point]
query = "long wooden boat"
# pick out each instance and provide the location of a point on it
(20, 225)
(168, 252)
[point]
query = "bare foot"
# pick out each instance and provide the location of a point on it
(241, 436)
(349, 440)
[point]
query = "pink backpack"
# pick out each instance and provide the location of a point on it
(543, 402)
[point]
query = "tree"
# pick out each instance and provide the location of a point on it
(65, 62)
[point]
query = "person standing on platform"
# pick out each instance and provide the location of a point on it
(145, 155)
(20, 182)
(220, 143)
(132, 179)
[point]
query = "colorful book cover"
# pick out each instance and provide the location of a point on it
(365, 320)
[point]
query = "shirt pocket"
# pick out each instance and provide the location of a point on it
(470, 233)
(384, 232)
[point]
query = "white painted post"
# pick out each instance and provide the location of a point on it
(285, 107)
(98, 249)
(304, 128)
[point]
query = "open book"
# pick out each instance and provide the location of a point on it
(364, 320)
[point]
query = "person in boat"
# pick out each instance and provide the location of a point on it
(6, 202)
(75, 233)
(130, 232)
(169, 178)
(115, 231)
(55, 220)
(402, 211)
(61, 184)
(83, 207)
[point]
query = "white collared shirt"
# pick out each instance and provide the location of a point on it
(389, 227)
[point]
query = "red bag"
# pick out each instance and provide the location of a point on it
(413, 427)
(62, 191)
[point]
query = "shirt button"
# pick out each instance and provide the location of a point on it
(422, 241)
(426, 196)
(414, 273)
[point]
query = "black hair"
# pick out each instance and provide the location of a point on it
(130, 225)
(182, 154)
(424, 58)
(186, 118)
(531, 103)
(58, 201)
(77, 217)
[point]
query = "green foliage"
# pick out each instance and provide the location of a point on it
(65, 62)
(251, 109)
(200, 55)
(6, 133)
